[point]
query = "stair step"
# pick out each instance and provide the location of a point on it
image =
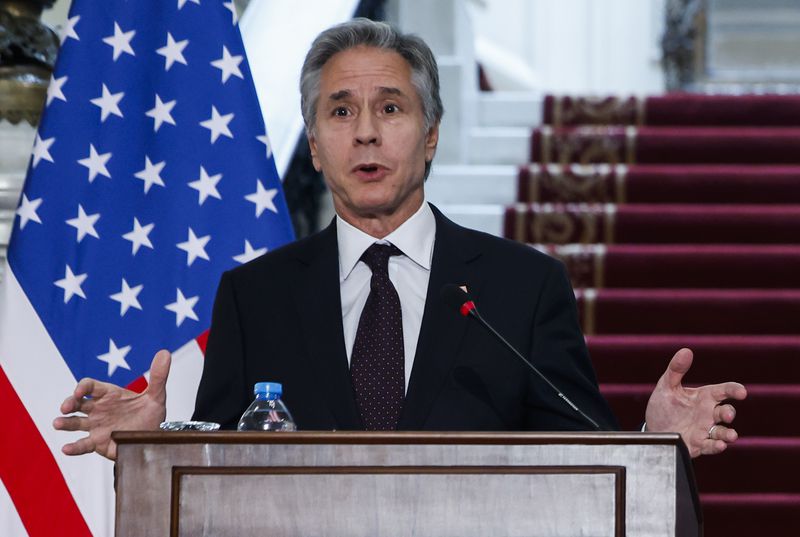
(763, 413)
(687, 109)
(772, 514)
(679, 265)
(476, 184)
(498, 145)
(752, 465)
(751, 359)
(665, 183)
(653, 223)
(509, 109)
(483, 217)
(689, 311)
(671, 145)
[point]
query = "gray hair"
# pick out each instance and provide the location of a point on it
(365, 32)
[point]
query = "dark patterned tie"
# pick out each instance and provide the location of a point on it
(377, 365)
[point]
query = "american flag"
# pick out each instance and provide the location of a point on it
(151, 174)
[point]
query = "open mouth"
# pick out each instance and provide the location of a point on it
(369, 167)
(370, 170)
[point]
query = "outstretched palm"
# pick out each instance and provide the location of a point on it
(699, 414)
(104, 407)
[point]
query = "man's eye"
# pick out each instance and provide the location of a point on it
(391, 108)
(340, 111)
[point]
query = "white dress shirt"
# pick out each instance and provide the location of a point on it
(409, 274)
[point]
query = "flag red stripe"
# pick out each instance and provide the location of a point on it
(30, 473)
(202, 340)
(139, 385)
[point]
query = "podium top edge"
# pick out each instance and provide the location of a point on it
(394, 437)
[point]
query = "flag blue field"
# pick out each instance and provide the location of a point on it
(151, 174)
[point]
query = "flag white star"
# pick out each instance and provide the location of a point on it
(263, 198)
(194, 247)
(27, 211)
(183, 308)
(84, 223)
(173, 51)
(161, 113)
(41, 150)
(230, 6)
(120, 41)
(54, 89)
(128, 297)
(115, 357)
(264, 139)
(139, 236)
(218, 124)
(182, 3)
(108, 103)
(206, 186)
(229, 65)
(68, 30)
(151, 174)
(71, 284)
(249, 253)
(96, 163)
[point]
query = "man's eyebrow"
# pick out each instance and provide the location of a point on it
(391, 91)
(340, 95)
(383, 90)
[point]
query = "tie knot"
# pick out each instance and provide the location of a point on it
(377, 256)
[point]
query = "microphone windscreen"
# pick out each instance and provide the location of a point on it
(454, 296)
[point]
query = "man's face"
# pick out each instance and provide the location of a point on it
(369, 139)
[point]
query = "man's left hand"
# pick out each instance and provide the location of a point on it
(698, 414)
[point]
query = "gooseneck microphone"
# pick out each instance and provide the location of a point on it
(459, 299)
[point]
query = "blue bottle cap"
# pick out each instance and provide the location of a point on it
(264, 388)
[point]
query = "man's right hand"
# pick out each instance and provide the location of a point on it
(104, 407)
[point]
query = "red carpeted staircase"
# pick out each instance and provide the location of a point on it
(678, 218)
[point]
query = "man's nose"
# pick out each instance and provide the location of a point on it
(367, 131)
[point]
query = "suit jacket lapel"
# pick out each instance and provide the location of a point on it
(442, 328)
(320, 310)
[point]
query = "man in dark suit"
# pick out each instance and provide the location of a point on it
(360, 343)
(280, 318)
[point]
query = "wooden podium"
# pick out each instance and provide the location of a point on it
(402, 484)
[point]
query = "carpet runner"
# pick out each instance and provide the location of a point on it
(758, 359)
(761, 415)
(689, 311)
(674, 109)
(653, 223)
(750, 514)
(659, 183)
(726, 266)
(663, 145)
(678, 219)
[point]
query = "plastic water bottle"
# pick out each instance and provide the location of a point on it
(267, 412)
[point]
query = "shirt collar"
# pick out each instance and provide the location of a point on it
(414, 238)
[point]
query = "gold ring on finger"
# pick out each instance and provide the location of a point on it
(711, 431)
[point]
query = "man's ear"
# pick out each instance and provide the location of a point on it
(312, 144)
(431, 141)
